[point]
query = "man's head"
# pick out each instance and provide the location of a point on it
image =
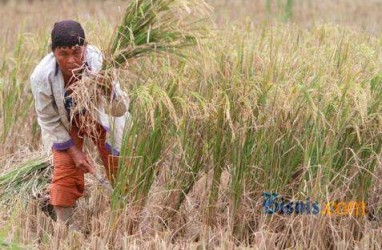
(68, 45)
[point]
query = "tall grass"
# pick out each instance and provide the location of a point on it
(295, 121)
(255, 108)
(284, 8)
(16, 113)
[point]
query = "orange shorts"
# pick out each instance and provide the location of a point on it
(68, 181)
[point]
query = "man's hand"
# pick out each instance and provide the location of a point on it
(105, 85)
(81, 160)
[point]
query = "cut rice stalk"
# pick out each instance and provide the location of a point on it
(27, 179)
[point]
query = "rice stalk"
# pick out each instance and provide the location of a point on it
(146, 27)
(27, 179)
(156, 26)
(143, 145)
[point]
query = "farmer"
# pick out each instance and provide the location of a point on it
(70, 60)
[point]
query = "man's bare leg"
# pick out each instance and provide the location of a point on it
(64, 214)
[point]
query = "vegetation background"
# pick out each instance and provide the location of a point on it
(280, 96)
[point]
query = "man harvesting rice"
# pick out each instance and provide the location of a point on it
(63, 130)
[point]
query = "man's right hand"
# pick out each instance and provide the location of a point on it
(81, 160)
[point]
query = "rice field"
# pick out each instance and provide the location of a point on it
(279, 97)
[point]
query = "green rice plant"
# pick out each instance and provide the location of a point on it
(143, 144)
(15, 96)
(5, 243)
(288, 15)
(284, 9)
(190, 155)
(12, 91)
(219, 138)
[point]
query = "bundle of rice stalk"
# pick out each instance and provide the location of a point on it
(156, 26)
(148, 26)
(26, 180)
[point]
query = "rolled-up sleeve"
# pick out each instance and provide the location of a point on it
(54, 134)
(120, 101)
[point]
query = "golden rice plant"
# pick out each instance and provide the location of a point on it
(164, 26)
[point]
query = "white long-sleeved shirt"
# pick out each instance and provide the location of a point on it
(47, 85)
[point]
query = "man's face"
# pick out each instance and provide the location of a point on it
(70, 58)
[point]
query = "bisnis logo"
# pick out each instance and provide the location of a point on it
(273, 203)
